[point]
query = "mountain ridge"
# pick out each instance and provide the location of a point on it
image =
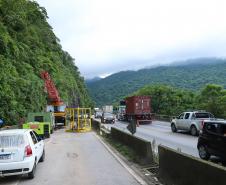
(193, 75)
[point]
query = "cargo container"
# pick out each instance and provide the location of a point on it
(138, 108)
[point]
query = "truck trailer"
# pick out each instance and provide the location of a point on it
(138, 108)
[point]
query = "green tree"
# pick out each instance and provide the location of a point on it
(27, 47)
(213, 99)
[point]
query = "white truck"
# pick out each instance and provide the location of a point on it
(190, 121)
(107, 108)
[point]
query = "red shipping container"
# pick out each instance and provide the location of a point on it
(138, 105)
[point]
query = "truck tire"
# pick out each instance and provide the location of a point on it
(193, 130)
(173, 127)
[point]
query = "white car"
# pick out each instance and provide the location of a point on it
(20, 152)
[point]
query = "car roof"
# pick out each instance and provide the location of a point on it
(14, 131)
(197, 112)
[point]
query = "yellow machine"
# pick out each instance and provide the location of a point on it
(78, 119)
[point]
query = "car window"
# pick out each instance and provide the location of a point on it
(37, 136)
(33, 138)
(9, 141)
(108, 114)
(212, 127)
(181, 116)
(202, 115)
(187, 115)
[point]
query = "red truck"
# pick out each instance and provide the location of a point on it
(138, 108)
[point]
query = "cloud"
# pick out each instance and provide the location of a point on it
(106, 36)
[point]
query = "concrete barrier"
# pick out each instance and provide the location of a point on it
(140, 146)
(95, 125)
(181, 169)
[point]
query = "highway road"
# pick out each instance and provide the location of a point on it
(160, 132)
(76, 158)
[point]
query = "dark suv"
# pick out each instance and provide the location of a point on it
(107, 118)
(212, 140)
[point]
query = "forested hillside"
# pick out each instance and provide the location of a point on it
(168, 100)
(28, 46)
(192, 74)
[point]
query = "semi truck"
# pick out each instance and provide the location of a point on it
(137, 108)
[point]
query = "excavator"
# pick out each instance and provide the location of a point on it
(55, 104)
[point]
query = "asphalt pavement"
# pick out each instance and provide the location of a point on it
(76, 158)
(160, 132)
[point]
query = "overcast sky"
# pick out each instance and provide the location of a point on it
(107, 36)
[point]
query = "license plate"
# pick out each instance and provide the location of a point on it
(5, 156)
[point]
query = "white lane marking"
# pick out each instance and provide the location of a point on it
(130, 170)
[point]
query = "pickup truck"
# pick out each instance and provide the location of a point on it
(190, 121)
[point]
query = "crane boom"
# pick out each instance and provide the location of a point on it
(53, 95)
(55, 104)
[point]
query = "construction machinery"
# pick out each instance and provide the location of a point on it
(42, 117)
(78, 119)
(41, 128)
(55, 104)
(42, 122)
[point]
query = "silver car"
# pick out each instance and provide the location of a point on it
(190, 121)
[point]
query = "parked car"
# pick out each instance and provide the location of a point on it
(190, 121)
(108, 118)
(20, 152)
(212, 140)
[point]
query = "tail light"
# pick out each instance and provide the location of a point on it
(202, 124)
(28, 151)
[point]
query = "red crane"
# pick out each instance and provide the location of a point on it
(53, 95)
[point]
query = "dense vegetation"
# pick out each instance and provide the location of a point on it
(171, 101)
(192, 75)
(28, 46)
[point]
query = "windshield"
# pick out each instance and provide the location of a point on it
(203, 115)
(108, 115)
(9, 141)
